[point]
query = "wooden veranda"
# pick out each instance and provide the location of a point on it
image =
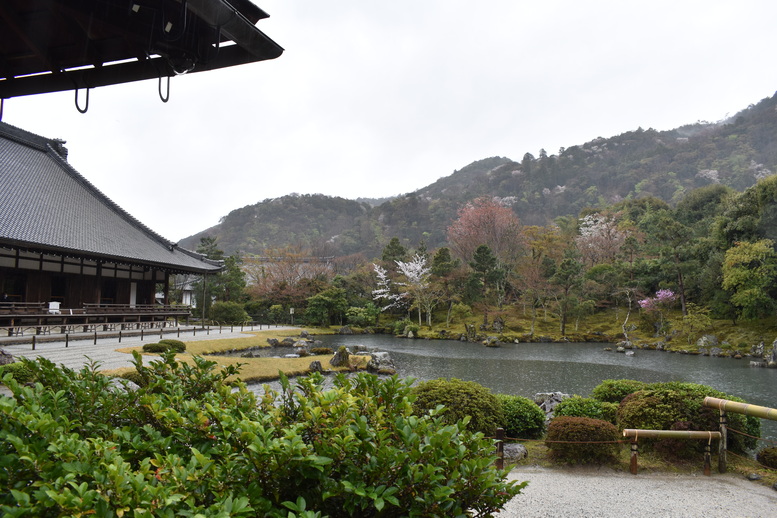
(39, 318)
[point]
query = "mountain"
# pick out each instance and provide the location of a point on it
(665, 164)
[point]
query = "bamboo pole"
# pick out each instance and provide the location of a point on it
(741, 408)
(723, 444)
(670, 434)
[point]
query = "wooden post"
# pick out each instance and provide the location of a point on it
(119, 335)
(179, 332)
(500, 448)
(634, 454)
(160, 332)
(194, 331)
(67, 339)
(141, 334)
(707, 459)
(33, 342)
(95, 336)
(722, 446)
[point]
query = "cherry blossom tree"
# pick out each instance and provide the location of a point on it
(486, 221)
(600, 239)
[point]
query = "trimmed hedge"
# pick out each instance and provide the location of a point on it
(613, 391)
(574, 432)
(768, 457)
(523, 418)
(165, 345)
(660, 406)
(577, 406)
(20, 371)
(462, 400)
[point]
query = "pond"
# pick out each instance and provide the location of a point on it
(576, 368)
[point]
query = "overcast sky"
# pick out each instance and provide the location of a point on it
(375, 98)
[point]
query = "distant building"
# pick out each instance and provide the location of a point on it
(62, 240)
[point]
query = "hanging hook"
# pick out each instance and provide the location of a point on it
(164, 98)
(86, 107)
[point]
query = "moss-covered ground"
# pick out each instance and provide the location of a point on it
(605, 326)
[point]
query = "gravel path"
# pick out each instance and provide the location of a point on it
(604, 493)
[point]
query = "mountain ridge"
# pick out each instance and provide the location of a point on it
(598, 173)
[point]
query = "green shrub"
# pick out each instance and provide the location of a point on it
(362, 317)
(577, 406)
(567, 435)
(174, 345)
(661, 405)
(163, 346)
(613, 391)
(523, 418)
(154, 347)
(768, 457)
(460, 312)
(462, 399)
(318, 351)
(135, 377)
(19, 370)
(228, 313)
(188, 444)
(405, 325)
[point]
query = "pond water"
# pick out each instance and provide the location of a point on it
(527, 368)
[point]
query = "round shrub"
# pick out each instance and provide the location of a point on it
(174, 345)
(661, 405)
(567, 438)
(613, 391)
(405, 325)
(768, 457)
(154, 347)
(577, 406)
(461, 399)
(523, 418)
(228, 313)
(165, 345)
(135, 377)
(19, 370)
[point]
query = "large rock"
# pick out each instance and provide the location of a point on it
(707, 341)
(492, 341)
(514, 452)
(6, 358)
(381, 363)
(345, 330)
(547, 401)
(315, 366)
(342, 358)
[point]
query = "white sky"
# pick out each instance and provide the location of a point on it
(375, 98)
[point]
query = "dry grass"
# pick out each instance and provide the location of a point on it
(252, 370)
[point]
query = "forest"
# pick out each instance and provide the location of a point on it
(656, 270)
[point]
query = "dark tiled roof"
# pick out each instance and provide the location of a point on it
(45, 204)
